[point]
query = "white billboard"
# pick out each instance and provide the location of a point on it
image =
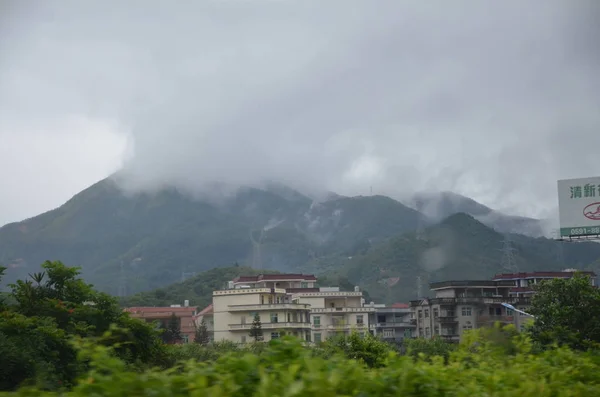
(579, 206)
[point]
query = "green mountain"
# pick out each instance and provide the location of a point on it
(438, 206)
(460, 247)
(131, 243)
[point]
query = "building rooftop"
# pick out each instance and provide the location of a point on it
(274, 277)
(207, 310)
(523, 275)
(400, 306)
(471, 284)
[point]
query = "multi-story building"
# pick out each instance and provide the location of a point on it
(162, 315)
(234, 310)
(289, 303)
(468, 304)
(334, 312)
(290, 282)
(391, 323)
(524, 282)
(464, 305)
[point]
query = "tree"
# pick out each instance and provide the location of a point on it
(172, 333)
(567, 312)
(201, 336)
(256, 330)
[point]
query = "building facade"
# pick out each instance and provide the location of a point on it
(334, 312)
(162, 315)
(459, 306)
(234, 311)
(524, 283)
(464, 305)
(286, 303)
(391, 323)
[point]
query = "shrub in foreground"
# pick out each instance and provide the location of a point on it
(286, 368)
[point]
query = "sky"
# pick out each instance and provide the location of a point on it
(493, 100)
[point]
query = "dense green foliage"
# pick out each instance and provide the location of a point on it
(51, 308)
(567, 312)
(286, 368)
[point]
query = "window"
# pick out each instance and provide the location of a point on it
(186, 338)
(420, 313)
(420, 331)
(467, 326)
(388, 333)
(274, 317)
(427, 332)
(317, 338)
(243, 338)
(436, 313)
(509, 312)
(270, 299)
(359, 319)
(289, 317)
(436, 330)
(426, 313)
(304, 285)
(317, 321)
(450, 313)
(466, 311)
(274, 335)
(407, 333)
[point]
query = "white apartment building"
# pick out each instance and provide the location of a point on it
(334, 312)
(286, 303)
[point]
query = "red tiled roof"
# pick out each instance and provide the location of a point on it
(508, 276)
(207, 310)
(274, 277)
(400, 305)
(155, 309)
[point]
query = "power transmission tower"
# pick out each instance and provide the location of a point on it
(508, 263)
(420, 233)
(186, 275)
(256, 259)
(122, 281)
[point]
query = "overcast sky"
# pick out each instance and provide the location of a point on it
(492, 99)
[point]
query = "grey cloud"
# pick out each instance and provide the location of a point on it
(494, 100)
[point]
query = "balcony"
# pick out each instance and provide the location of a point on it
(447, 319)
(493, 319)
(393, 324)
(343, 310)
(283, 325)
(480, 300)
(268, 306)
(346, 326)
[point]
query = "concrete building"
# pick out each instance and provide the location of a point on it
(234, 310)
(391, 323)
(289, 303)
(524, 282)
(459, 306)
(463, 305)
(334, 312)
(161, 316)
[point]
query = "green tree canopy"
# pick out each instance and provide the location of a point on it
(567, 312)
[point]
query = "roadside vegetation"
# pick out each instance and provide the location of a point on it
(59, 337)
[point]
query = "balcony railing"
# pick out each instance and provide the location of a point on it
(282, 325)
(493, 319)
(345, 326)
(447, 319)
(343, 310)
(486, 300)
(392, 324)
(268, 306)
